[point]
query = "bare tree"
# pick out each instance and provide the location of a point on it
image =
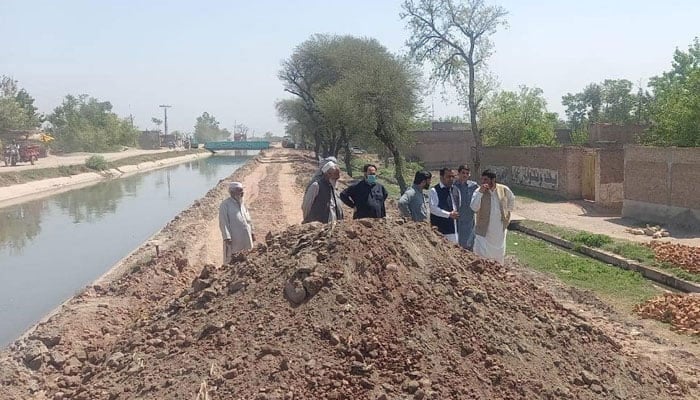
(454, 36)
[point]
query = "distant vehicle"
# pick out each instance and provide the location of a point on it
(287, 143)
(357, 150)
(23, 152)
(171, 145)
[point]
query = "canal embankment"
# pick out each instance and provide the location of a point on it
(105, 311)
(26, 185)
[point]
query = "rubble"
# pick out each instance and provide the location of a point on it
(682, 311)
(384, 314)
(682, 256)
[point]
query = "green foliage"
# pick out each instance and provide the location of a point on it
(84, 123)
(591, 239)
(518, 119)
(611, 101)
(207, 129)
(97, 162)
(676, 110)
(349, 90)
(17, 110)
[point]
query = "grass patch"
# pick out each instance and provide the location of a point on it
(625, 248)
(529, 196)
(627, 288)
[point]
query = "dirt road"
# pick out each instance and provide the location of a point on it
(55, 161)
(582, 216)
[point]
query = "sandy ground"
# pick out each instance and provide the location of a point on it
(55, 161)
(584, 216)
(20, 193)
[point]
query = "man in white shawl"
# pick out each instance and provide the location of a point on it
(235, 224)
(492, 204)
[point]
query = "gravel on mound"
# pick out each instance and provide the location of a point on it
(368, 309)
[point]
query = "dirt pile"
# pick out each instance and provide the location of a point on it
(682, 311)
(360, 310)
(685, 257)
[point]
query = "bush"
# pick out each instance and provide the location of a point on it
(591, 239)
(98, 163)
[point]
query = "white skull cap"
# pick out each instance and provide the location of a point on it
(235, 185)
(328, 166)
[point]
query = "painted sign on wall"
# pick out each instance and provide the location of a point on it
(537, 177)
(501, 173)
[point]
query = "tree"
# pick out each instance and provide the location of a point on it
(348, 89)
(207, 129)
(157, 121)
(675, 109)
(84, 123)
(17, 110)
(241, 129)
(518, 119)
(454, 37)
(386, 92)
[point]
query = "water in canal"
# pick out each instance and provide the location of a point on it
(53, 247)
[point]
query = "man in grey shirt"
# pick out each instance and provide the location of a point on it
(413, 203)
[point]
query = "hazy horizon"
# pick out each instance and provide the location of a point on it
(223, 57)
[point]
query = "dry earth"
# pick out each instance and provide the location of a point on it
(584, 216)
(371, 310)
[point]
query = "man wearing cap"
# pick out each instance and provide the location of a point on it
(234, 222)
(321, 201)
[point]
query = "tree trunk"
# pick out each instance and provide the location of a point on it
(476, 157)
(398, 169)
(348, 158)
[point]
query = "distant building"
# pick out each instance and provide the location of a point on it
(149, 140)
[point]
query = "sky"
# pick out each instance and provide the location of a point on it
(223, 57)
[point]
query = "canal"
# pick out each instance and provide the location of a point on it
(53, 247)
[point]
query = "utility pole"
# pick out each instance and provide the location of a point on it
(165, 117)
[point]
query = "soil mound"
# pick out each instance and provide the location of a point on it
(369, 309)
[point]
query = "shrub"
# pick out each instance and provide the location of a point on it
(96, 162)
(591, 239)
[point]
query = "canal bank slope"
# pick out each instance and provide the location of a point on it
(51, 356)
(19, 193)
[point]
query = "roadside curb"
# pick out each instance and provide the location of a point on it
(650, 273)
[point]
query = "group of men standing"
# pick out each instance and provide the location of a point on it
(475, 216)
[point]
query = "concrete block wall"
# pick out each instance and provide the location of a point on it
(662, 185)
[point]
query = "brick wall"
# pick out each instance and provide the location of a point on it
(553, 170)
(661, 185)
(437, 149)
(609, 177)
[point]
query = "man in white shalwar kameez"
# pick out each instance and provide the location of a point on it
(235, 224)
(492, 204)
